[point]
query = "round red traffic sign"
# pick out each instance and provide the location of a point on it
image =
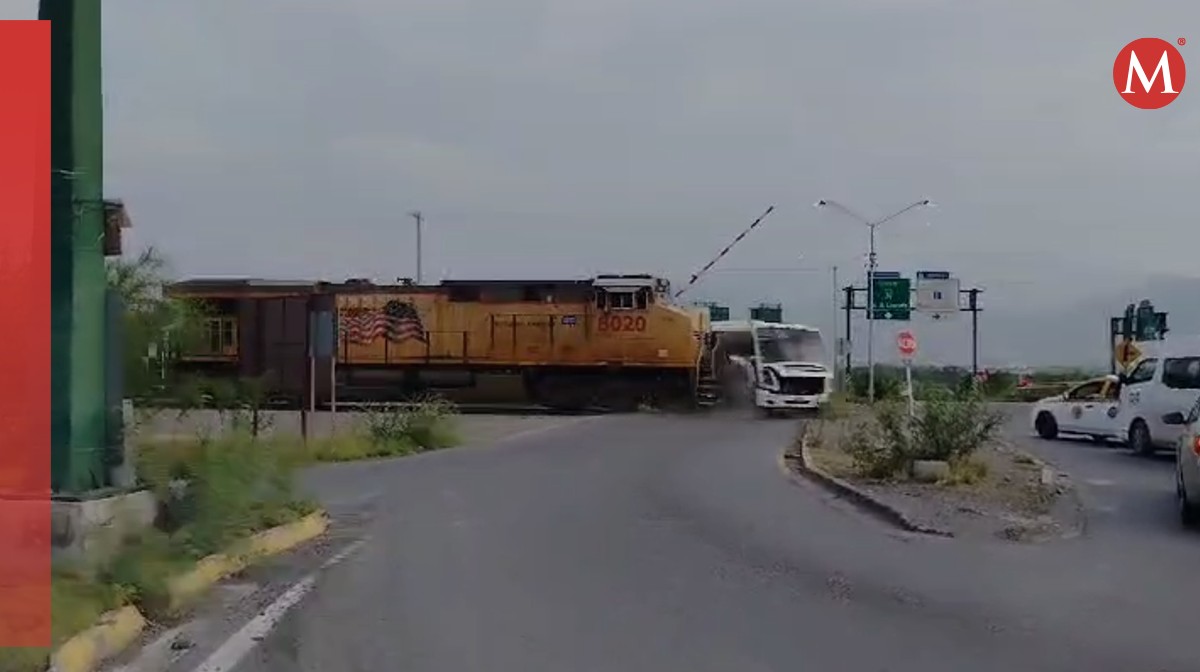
(907, 343)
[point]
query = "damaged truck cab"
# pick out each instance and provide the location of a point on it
(780, 367)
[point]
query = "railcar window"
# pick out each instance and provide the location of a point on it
(643, 298)
(220, 336)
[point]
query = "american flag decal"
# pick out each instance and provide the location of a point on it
(397, 321)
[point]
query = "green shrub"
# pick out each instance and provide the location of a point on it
(425, 425)
(889, 384)
(945, 426)
(872, 455)
(214, 491)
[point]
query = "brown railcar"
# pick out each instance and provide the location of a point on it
(613, 340)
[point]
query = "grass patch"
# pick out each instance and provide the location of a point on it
(76, 603)
(211, 493)
(966, 472)
(430, 424)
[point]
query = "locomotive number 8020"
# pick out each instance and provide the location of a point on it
(621, 323)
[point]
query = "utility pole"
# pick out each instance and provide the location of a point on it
(416, 215)
(837, 340)
(973, 303)
(849, 342)
(871, 264)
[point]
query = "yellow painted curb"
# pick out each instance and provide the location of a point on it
(115, 631)
(185, 587)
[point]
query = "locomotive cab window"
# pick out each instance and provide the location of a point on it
(637, 299)
(621, 300)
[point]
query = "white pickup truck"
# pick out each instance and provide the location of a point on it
(782, 366)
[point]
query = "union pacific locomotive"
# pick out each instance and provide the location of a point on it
(613, 341)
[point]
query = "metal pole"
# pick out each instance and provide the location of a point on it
(871, 318)
(837, 341)
(849, 343)
(871, 280)
(416, 215)
(974, 332)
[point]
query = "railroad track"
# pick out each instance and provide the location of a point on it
(473, 409)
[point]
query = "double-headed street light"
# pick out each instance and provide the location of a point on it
(870, 278)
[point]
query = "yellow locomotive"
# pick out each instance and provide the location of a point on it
(612, 341)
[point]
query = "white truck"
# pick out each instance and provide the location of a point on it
(782, 367)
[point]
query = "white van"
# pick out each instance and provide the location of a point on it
(1164, 382)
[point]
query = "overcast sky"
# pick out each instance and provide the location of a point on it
(563, 137)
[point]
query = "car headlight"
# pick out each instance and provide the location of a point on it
(770, 380)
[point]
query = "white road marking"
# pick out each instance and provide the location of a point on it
(243, 641)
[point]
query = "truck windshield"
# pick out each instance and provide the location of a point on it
(778, 344)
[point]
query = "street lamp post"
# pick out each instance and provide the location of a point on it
(871, 263)
(419, 219)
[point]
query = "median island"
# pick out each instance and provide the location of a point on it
(943, 468)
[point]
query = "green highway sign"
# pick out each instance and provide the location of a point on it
(892, 297)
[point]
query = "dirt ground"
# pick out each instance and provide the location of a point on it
(1010, 502)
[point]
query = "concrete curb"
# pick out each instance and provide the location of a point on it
(186, 587)
(1051, 475)
(117, 630)
(801, 463)
(112, 634)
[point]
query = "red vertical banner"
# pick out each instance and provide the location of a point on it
(25, 352)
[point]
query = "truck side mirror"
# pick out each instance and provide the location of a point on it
(1174, 418)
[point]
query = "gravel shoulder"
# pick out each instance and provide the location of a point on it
(1011, 502)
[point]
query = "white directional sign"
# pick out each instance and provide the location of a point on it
(937, 293)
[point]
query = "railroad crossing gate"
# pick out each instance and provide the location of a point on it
(1127, 352)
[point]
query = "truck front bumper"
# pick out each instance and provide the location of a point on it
(768, 399)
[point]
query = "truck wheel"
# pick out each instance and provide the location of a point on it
(1046, 426)
(1139, 438)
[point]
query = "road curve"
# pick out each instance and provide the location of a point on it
(652, 542)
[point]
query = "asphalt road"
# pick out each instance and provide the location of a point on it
(1129, 498)
(675, 543)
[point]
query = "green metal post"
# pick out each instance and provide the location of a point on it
(78, 282)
